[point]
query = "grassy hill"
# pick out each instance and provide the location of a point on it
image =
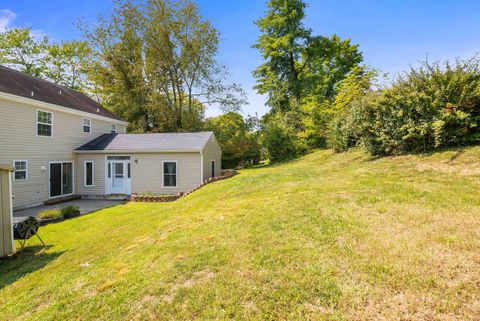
(323, 237)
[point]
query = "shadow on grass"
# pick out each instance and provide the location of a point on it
(458, 151)
(32, 258)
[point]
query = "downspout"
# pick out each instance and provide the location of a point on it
(201, 167)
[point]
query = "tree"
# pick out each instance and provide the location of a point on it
(21, 51)
(329, 61)
(239, 145)
(63, 63)
(301, 74)
(155, 64)
(66, 64)
(283, 44)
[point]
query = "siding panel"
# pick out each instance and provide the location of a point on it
(211, 152)
(18, 141)
(147, 173)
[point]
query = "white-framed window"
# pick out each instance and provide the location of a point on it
(89, 173)
(169, 173)
(44, 123)
(87, 125)
(21, 170)
(113, 128)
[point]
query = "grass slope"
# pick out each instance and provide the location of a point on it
(324, 237)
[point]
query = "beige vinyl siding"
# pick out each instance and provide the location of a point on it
(7, 245)
(98, 187)
(19, 141)
(211, 151)
(147, 172)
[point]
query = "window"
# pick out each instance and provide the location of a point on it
(88, 174)
(67, 178)
(113, 128)
(87, 125)
(170, 174)
(20, 170)
(44, 123)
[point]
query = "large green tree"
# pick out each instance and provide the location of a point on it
(21, 51)
(66, 64)
(283, 43)
(155, 64)
(301, 75)
(62, 63)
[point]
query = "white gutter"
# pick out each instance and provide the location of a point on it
(201, 166)
(134, 151)
(63, 109)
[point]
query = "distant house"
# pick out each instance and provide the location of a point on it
(63, 143)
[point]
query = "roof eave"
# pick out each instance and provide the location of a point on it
(136, 151)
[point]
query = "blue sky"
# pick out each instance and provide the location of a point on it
(392, 34)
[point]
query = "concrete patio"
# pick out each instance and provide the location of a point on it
(86, 206)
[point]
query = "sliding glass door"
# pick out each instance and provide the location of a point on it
(61, 178)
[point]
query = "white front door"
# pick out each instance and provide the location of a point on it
(118, 177)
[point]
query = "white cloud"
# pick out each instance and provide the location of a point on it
(6, 18)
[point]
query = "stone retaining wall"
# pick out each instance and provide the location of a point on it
(227, 173)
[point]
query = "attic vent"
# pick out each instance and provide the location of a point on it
(32, 93)
(60, 91)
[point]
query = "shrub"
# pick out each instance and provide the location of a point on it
(237, 139)
(281, 141)
(70, 209)
(49, 214)
(430, 107)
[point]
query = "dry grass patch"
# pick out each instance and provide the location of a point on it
(326, 237)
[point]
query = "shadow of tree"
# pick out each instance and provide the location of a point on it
(19, 265)
(457, 154)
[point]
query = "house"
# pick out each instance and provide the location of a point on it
(63, 143)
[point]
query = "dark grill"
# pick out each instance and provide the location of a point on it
(24, 228)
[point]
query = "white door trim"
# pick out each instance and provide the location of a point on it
(61, 178)
(127, 181)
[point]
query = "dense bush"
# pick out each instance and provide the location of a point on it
(70, 209)
(281, 138)
(49, 214)
(430, 107)
(237, 138)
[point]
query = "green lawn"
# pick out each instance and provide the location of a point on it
(323, 237)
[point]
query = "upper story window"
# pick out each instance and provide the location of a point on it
(20, 170)
(170, 174)
(87, 125)
(44, 123)
(113, 128)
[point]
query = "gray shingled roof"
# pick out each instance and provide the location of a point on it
(169, 142)
(19, 84)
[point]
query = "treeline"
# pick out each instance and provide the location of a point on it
(320, 94)
(153, 62)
